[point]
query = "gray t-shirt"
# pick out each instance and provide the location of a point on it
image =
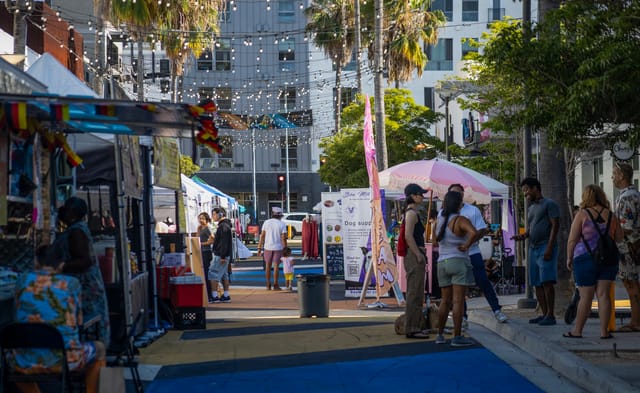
(539, 218)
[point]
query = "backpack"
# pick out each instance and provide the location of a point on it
(606, 252)
(401, 248)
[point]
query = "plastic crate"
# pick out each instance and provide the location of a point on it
(186, 295)
(187, 318)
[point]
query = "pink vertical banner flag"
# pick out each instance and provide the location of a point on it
(385, 269)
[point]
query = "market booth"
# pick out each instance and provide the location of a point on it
(50, 149)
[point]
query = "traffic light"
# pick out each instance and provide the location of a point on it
(281, 184)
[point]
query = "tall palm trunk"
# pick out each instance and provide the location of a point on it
(19, 11)
(140, 76)
(381, 140)
(553, 177)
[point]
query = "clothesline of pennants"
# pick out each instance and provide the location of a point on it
(25, 118)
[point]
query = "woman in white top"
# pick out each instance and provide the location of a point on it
(455, 234)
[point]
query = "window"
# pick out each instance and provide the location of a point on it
(287, 54)
(223, 55)
(224, 15)
(467, 48)
(287, 98)
(293, 152)
(445, 6)
(286, 11)
(428, 97)
(440, 56)
(205, 60)
(352, 64)
(211, 160)
(348, 95)
(221, 95)
(469, 10)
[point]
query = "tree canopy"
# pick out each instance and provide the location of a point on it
(575, 77)
(407, 133)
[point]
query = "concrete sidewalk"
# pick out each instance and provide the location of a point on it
(593, 364)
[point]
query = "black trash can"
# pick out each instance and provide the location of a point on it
(313, 295)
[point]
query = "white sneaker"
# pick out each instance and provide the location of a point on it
(500, 316)
(440, 339)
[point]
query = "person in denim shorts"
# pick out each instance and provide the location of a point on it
(543, 217)
(455, 235)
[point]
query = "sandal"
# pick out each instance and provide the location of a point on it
(627, 329)
(421, 335)
(606, 337)
(570, 335)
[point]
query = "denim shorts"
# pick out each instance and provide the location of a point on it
(587, 273)
(541, 271)
(219, 271)
(455, 271)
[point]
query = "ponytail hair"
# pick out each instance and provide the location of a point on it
(451, 205)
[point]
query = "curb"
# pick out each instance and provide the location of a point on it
(582, 373)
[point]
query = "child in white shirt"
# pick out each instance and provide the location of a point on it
(287, 266)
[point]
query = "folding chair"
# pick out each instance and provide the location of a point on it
(23, 335)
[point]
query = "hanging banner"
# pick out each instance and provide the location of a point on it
(385, 270)
(355, 230)
(131, 165)
(166, 163)
(332, 251)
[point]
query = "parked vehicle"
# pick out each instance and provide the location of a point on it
(294, 220)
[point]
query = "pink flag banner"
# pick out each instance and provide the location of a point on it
(384, 268)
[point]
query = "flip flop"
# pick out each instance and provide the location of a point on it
(570, 335)
(627, 329)
(606, 337)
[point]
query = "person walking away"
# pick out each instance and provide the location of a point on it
(542, 260)
(206, 240)
(589, 275)
(273, 239)
(455, 235)
(222, 250)
(287, 266)
(479, 274)
(627, 209)
(75, 247)
(415, 262)
(45, 295)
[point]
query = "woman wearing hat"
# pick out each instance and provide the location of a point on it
(415, 262)
(75, 245)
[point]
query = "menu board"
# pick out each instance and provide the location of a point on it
(332, 238)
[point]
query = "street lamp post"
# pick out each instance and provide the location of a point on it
(447, 90)
(286, 153)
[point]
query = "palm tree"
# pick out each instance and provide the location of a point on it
(407, 25)
(186, 29)
(139, 17)
(332, 27)
(20, 11)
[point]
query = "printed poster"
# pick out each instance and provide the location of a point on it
(356, 229)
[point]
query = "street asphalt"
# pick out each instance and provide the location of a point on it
(260, 343)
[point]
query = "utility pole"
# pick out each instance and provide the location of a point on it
(20, 11)
(528, 301)
(381, 142)
(357, 46)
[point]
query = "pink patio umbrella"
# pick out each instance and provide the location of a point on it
(436, 175)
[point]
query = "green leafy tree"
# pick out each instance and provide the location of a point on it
(408, 139)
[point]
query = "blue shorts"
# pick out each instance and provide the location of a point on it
(219, 271)
(587, 273)
(541, 271)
